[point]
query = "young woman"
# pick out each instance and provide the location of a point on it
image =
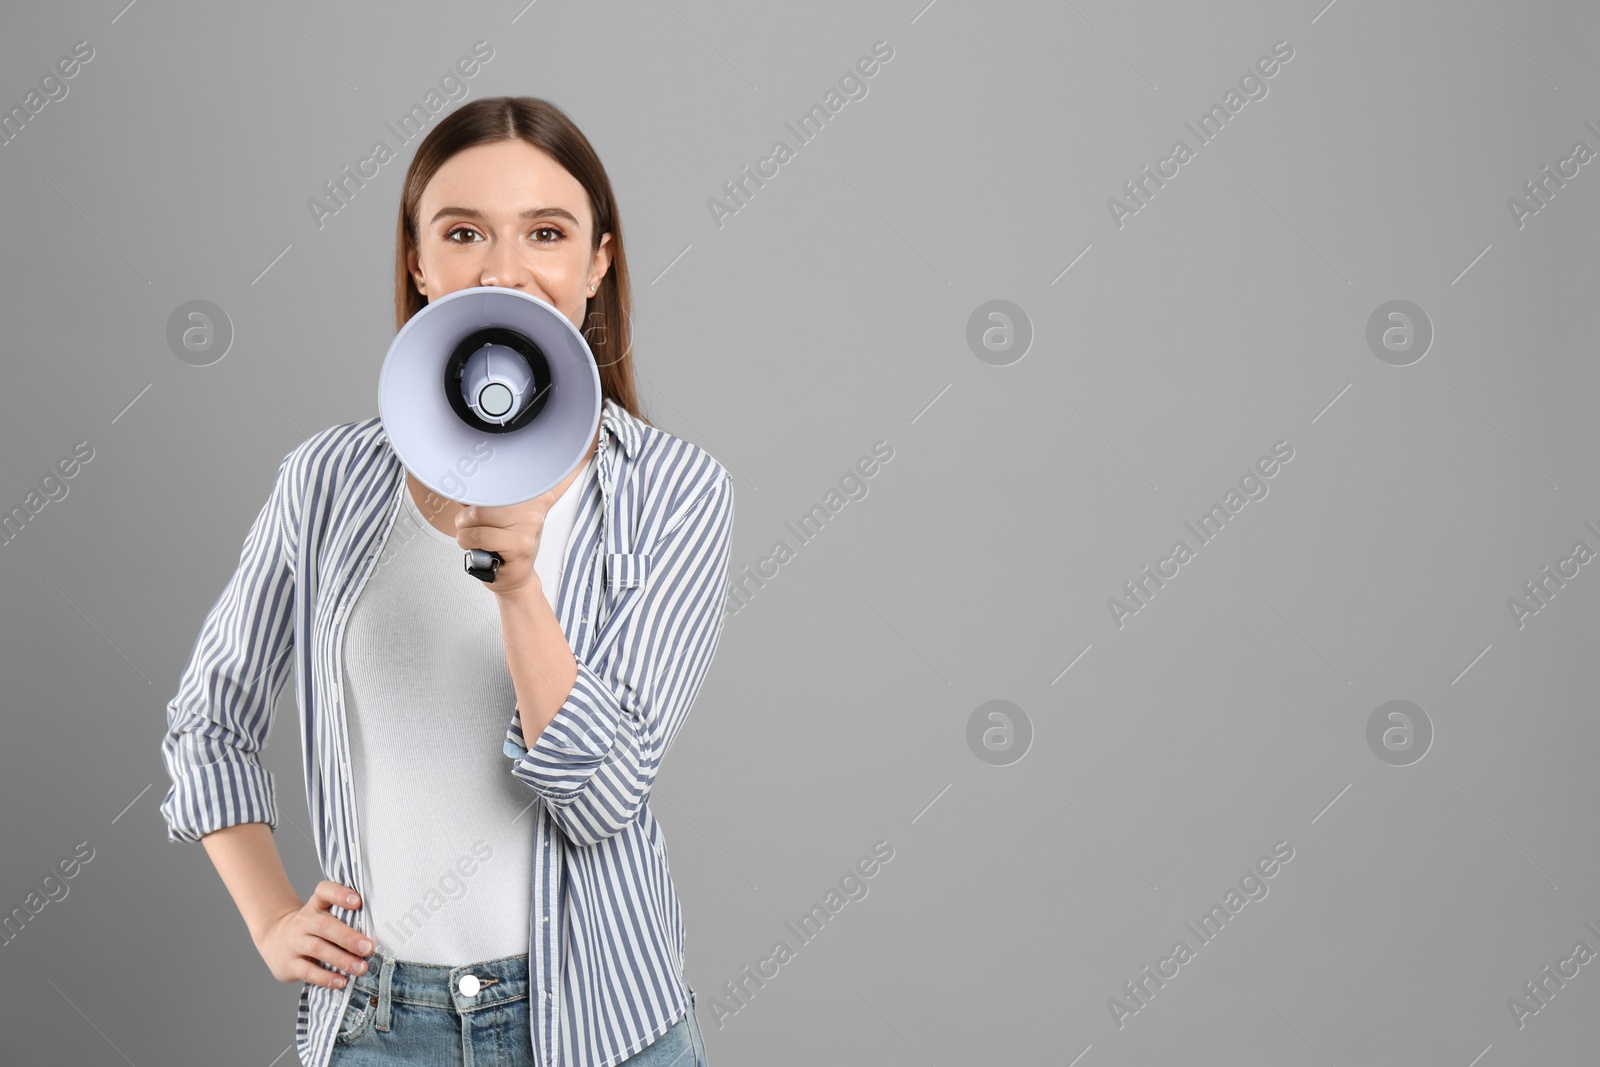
(478, 757)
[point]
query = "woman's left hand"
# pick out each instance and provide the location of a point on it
(513, 531)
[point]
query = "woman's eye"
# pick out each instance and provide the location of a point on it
(553, 233)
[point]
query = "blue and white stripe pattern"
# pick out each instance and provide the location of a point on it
(641, 604)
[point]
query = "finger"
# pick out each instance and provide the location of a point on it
(310, 972)
(333, 951)
(351, 941)
(328, 894)
(506, 542)
(478, 515)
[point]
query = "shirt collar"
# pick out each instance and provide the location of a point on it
(623, 426)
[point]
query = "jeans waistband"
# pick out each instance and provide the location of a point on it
(465, 988)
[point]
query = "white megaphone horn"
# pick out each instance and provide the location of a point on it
(496, 367)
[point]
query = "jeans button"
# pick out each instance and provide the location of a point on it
(468, 985)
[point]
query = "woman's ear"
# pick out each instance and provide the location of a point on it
(602, 259)
(415, 268)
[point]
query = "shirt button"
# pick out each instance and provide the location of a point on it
(468, 985)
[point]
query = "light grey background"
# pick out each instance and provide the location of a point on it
(831, 312)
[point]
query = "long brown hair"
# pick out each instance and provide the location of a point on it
(540, 123)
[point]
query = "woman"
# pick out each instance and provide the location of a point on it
(490, 885)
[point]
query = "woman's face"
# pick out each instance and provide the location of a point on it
(508, 214)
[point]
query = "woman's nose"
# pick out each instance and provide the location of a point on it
(505, 271)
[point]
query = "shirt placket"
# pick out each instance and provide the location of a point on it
(602, 549)
(339, 738)
(547, 869)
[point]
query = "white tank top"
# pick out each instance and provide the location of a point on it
(428, 697)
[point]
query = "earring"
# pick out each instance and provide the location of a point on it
(591, 288)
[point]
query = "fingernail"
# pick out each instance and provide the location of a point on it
(351, 899)
(338, 983)
(364, 945)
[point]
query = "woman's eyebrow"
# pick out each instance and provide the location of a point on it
(527, 216)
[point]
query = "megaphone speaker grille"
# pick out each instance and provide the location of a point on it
(478, 353)
(524, 367)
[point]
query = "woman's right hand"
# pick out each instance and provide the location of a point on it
(294, 942)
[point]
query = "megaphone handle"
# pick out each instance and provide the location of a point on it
(482, 565)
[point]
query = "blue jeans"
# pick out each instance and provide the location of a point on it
(403, 1012)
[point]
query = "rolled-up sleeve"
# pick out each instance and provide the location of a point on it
(220, 717)
(595, 762)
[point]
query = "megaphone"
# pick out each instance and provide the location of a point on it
(497, 367)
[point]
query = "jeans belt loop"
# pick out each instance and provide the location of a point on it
(385, 979)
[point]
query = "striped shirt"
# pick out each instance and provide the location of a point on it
(641, 604)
